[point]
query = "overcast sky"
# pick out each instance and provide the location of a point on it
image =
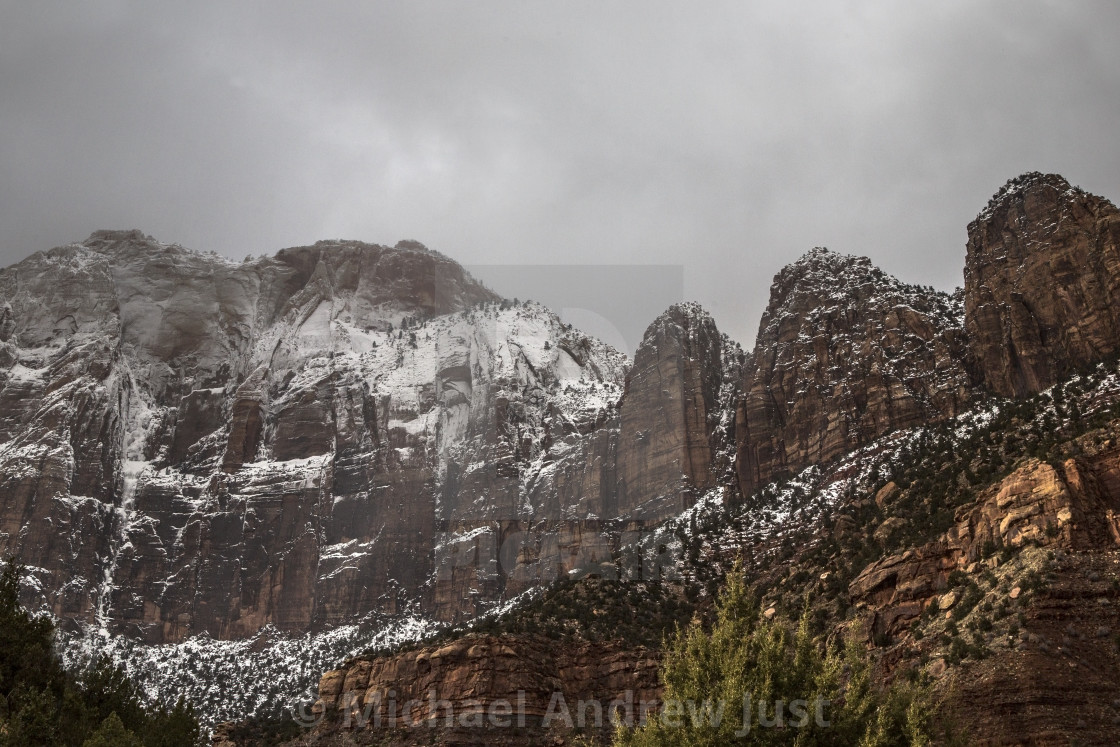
(724, 137)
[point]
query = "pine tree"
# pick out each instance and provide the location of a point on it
(32, 719)
(25, 641)
(112, 733)
(174, 728)
(109, 691)
(41, 703)
(744, 654)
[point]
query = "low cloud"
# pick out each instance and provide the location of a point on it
(727, 138)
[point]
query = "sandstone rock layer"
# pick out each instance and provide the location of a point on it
(534, 676)
(1042, 283)
(844, 354)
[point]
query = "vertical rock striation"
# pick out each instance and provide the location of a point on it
(669, 445)
(845, 353)
(303, 440)
(286, 441)
(1042, 283)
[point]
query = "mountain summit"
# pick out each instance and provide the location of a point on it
(844, 354)
(1042, 283)
(243, 472)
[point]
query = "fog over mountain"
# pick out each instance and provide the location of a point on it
(460, 353)
(725, 139)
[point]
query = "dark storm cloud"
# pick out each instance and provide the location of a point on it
(725, 137)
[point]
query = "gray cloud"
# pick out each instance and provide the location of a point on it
(726, 137)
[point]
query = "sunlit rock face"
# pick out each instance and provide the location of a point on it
(1042, 283)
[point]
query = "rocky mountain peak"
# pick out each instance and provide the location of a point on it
(118, 244)
(196, 448)
(1020, 188)
(822, 278)
(844, 353)
(300, 421)
(114, 235)
(669, 414)
(821, 258)
(1041, 284)
(382, 284)
(688, 317)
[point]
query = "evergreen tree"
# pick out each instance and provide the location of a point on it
(112, 733)
(174, 728)
(32, 720)
(25, 641)
(712, 674)
(108, 691)
(41, 703)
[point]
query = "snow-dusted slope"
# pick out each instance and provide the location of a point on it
(205, 460)
(192, 445)
(313, 451)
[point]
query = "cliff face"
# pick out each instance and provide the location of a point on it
(1074, 505)
(344, 429)
(844, 354)
(62, 431)
(283, 441)
(1052, 665)
(1042, 283)
(194, 446)
(1052, 668)
(534, 676)
(666, 442)
(669, 440)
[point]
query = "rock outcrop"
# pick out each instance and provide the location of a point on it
(1056, 684)
(669, 440)
(300, 441)
(539, 688)
(1042, 283)
(1073, 505)
(1012, 611)
(844, 354)
(285, 441)
(346, 432)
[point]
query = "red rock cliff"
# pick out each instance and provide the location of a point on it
(1042, 283)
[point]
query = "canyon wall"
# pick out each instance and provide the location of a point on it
(1042, 283)
(845, 353)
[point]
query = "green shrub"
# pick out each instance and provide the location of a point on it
(745, 654)
(93, 706)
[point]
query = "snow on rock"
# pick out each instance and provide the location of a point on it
(211, 461)
(844, 354)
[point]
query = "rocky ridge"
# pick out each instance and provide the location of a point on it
(338, 438)
(845, 353)
(268, 443)
(989, 568)
(550, 687)
(1065, 504)
(1042, 283)
(348, 432)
